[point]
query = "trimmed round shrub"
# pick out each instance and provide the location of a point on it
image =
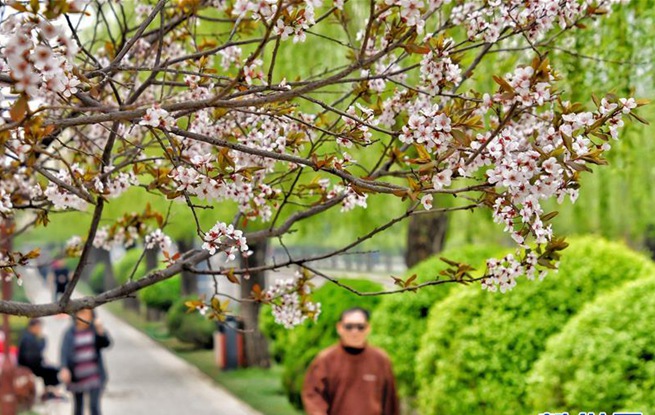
(97, 280)
(304, 342)
(399, 321)
(162, 295)
(190, 327)
(603, 358)
(479, 347)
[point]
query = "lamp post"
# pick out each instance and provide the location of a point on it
(7, 394)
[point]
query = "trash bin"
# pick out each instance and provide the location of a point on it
(228, 344)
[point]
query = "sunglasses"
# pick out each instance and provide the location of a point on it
(353, 326)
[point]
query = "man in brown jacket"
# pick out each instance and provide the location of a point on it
(351, 378)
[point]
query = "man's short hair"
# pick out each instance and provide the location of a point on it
(34, 322)
(364, 311)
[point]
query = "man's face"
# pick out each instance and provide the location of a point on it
(82, 317)
(37, 330)
(353, 329)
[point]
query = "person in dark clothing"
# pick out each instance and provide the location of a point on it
(61, 276)
(30, 354)
(351, 377)
(81, 359)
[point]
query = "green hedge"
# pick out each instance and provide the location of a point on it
(479, 347)
(190, 327)
(603, 358)
(399, 321)
(297, 347)
(162, 295)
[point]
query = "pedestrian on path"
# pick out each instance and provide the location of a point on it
(351, 377)
(30, 354)
(61, 277)
(82, 362)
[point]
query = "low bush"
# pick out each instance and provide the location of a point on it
(399, 320)
(190, 327)
(162, 295)
(479, 347)
(603, 358)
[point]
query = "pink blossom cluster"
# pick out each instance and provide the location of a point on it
(351, 199)
(141, 54)
(157, 117)
(108, 238)
(486, 20)
(527, 91)
(410, 12)
(439, 71)
(62, 198)
(519, 158)
(355, 127)
(252, 198)
(295, 27)
(159, 239)
(5, 202)
(20, 183)
(230, 55)
(74, 245)
(503, 273)
(38, 56)
(120, 236)
(260, 9)
(114, 185)
(254, 72)
(202, 176)
(290, 308)
(117, 185)
(526, 177)
(429, 127)
(393, 106)
(223, 237)
(293, 20)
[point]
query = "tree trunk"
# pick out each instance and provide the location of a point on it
(189, 280)
(256, 346)
(91, 263)
(109, 280)
(425, 237)
(151, 259)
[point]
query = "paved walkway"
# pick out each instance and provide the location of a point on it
(144, 377)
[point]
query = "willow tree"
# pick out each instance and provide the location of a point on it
(154, 103)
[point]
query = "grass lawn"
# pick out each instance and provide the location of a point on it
(259, 388)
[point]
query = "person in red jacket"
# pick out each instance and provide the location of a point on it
(351, 377)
